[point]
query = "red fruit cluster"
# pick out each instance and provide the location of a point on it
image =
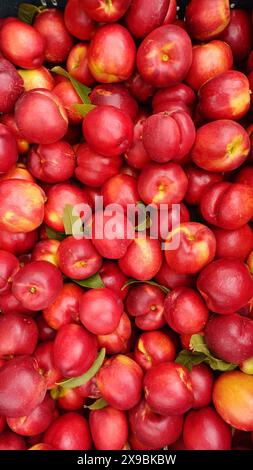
(97, 301)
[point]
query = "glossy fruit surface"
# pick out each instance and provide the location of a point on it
(205, 430)
(176, 396)
(83, 347)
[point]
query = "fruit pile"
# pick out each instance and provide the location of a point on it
(126, 241)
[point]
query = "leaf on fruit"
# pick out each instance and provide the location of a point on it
(84, 109)
(82, 90)
(83, 379)
(27, 12)
(188, 359)
(200, 353)
(93, 282)
(197, 344)
(52, 234)
(146, 222)
(144, 225)
(97, 405)
(151, 283)
(72, 222)
(57, 392)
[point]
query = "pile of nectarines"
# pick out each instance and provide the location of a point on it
(126, 237)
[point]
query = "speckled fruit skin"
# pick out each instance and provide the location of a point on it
(233, 399)
(103, 426)
(226, 285)
(154, 54)
(205, 430)
(120, 382)
(176, 395)
(152, 429)
(8, 147)
(230, 337)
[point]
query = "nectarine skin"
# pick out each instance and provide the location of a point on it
(233, 399)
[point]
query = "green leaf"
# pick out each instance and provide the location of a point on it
(55, 393)
(93, 282)
(82, 90)
(52, 234)
(189, 359)
(84, 109)
(69, 221)
(83, 379)
(197, 344)
(152, 283)
(146, 223)
(200, 353)
(218, 364)
(97, 405)
(27, 12)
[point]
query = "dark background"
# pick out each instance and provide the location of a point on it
(10, 7)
